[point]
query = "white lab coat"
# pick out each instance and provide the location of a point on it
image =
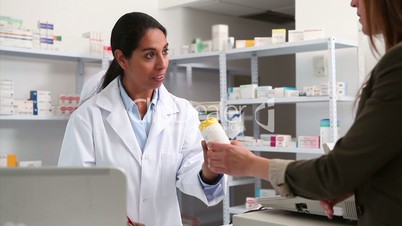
(99, 133)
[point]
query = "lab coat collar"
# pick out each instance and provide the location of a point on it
(110, 100)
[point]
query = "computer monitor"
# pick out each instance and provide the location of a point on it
(49, 196)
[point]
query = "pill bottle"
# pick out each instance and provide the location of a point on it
(11, 160)
(211, 130)
(325, 131)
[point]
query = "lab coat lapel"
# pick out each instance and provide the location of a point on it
(118, 120)
(110, 100)
(163, 116)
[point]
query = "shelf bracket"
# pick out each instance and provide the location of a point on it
(80, 76)
(333, 97)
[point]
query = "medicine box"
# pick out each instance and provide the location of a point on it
(278, 36)
(295, 35)
(262, 41)
(248, 91)
(313, 33)
(263, 91)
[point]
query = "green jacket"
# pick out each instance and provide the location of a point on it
(368, 159)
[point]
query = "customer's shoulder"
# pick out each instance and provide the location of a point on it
(392, 59)
(394, 52)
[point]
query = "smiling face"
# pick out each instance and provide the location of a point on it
(361, 12)
(145, 70)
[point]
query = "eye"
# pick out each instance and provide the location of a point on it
(166, 51)
(150, 55)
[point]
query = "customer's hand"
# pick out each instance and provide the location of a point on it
(233, 159)
(329, 204)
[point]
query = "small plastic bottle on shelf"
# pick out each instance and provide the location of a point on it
(211, 130)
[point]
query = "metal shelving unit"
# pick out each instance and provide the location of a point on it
(50, 55)
(330, 44)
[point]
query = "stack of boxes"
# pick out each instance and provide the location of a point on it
(67, 104)
(323, 89)
(95, 42)
(276, 140)
(23, 107)
(42, 102)
(6, 97)
(43, 39)
(12, 33)
(252, 91)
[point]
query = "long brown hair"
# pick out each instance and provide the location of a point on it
(384, 17)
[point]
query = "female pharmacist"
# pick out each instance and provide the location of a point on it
(367, 161)
(136, 124)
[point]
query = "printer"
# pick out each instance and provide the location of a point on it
(345, 209)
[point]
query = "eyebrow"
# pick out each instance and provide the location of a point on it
(153, 49)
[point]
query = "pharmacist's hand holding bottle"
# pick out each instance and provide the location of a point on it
(207, 175)
(211, 130)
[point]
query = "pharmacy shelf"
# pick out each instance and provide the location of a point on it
(288, 48)
(81, 59)
(315, 151)
(290, 100)
(48, 54)
(33, 118)
(329, 45)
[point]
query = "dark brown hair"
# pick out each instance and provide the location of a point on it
(384, 17)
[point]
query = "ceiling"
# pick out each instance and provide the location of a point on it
(275, 11)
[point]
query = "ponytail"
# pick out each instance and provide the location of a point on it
(112, 72)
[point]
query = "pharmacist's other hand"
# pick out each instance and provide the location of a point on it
(208, 176)
(233, 159)
(134, 224)
(329, 204)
